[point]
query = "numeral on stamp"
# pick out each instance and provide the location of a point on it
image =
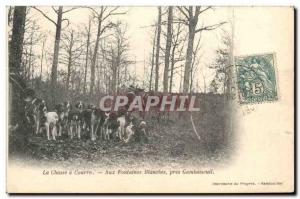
(256, 78)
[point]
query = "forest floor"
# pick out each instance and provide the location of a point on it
(169, 145)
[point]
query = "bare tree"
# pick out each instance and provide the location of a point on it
(58, 25)
(72, 50)
(168, 49)
(42, 57)
(28, 55)
(157, 48)
(31, 59)
(190, 18)
(117, 56)
(152, 59)
(177, 49)
(102, 16)
(32, 38)
(221, 65)
(195, 62)
(88, 35)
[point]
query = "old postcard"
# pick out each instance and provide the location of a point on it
(165, 99)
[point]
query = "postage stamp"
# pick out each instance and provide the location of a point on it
(256, 78)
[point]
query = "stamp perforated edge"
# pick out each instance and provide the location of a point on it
(276, 78)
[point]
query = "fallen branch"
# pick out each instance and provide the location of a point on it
(192, 120)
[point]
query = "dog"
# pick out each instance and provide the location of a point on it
(97, 120)
(121, 129)
(110, 125)
(129, 133)
(50, 124)
(91, 119)
(38, 113)
(74, 128)
(51, 121)
(59, 109)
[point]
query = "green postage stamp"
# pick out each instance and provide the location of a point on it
(256, 78)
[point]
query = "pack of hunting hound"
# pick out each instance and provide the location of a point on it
(78, 120)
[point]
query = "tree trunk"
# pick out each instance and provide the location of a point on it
(114, 73)
(152, 60)
(16, 43)
(42, 57)
(114, 78)
(172, 67)
(99, 67)
(181, 79)
(56, 53)
(117, 67)
(118, 78)
(157, 49)
(189, 58)
(24, 70)
(191, 79)
(70, 60)
(30, 59)
(125, 73)
(17, 83)
(93, 64)
(168, 49)
(87, 56)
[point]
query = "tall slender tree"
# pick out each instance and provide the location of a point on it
(72, 50)
(191, 18)
(152, 59)
(103, 15)
(168, 49)
(58, 25)
(176, 52)
(42, 58)
(157, 48)
(88, 35)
